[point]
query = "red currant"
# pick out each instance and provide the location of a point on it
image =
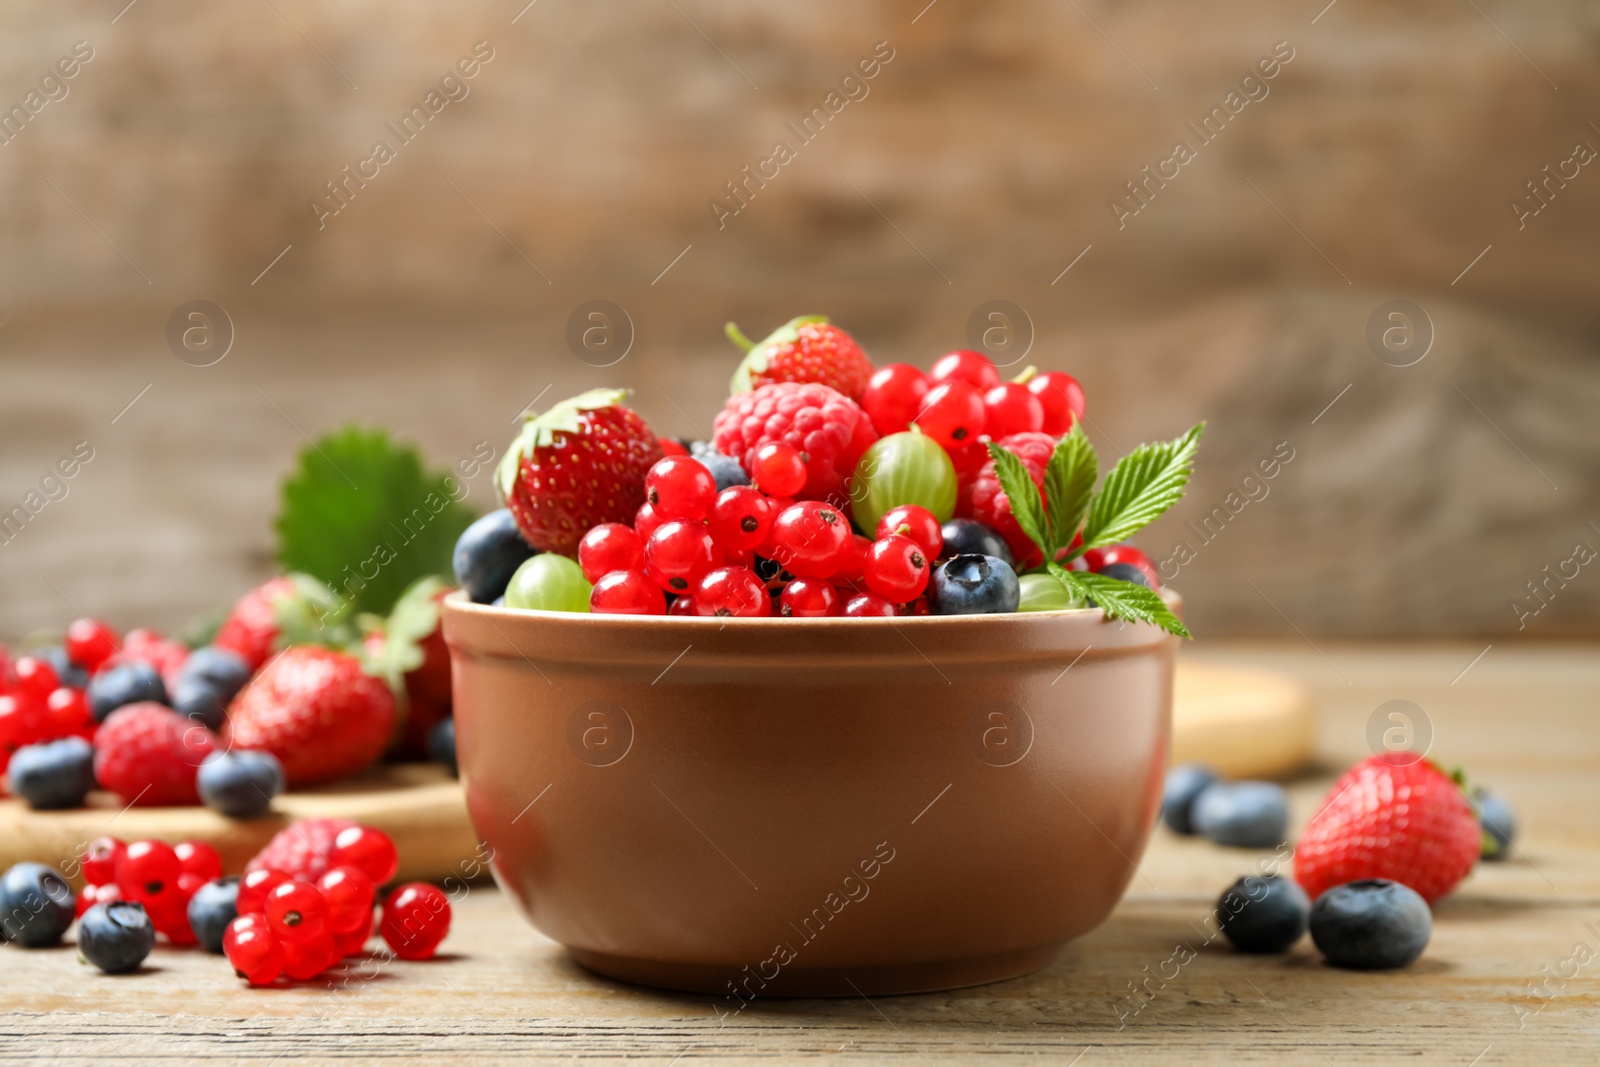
(865, 605)
(100, 860)
(22, 722)
(809, 598)
(96, 894)
(296, 911)
(921, 526)
(1099, 558)
(896, 568)
(741, 518)
(66, 713)
(1010, 408)
(808, 539)
(679, 487)
(683, 605)
(35, 678)
(778, 469)
(952, 414)
(308, 957)
(671, 446)
(847, 572)
(169, 914)
(369, 851)
(252, 950)
(90, 643)
(147, 870)
(627, 593)
(352, 941)
(610, 546)
(199, 859)
(894, 396)
(645, 521)
(732, 591)
(1062, 399)
(254, 887)
(416, 917)
(679, 554)
(965, 365)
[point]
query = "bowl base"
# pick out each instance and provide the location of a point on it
(739, 987)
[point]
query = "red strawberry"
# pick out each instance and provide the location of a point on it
(1392, 816)
(301, 850)
(822, 423)
(984, 500)
(148, 754)
(579, 464)
(806, 349)
(315, 709)
(251, 627)
(411, 647)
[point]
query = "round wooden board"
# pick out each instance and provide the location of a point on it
(1244, 723)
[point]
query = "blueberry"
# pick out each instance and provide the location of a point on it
(1263, 914)
(488, 553)
(442, 746)
(1499, 822)
(53, 775)
(969, 537)
(1241, 814)
(126, 683)
(116, 936)
(240, 783)
(973, 585)
(207, 681)
(69, 673)
(1184, 783)
(1127, 572)
(36, 905)
(725, 469)
(1371, 924)
(213, 906)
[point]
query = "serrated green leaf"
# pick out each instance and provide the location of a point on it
(1119, 599)
(1026, 506)
(361, 514)
(1143, 485)
(1069, 482)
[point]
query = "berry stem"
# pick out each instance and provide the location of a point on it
(737, 336)
(1026, 376)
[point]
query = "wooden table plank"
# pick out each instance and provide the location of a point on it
(1521, 719)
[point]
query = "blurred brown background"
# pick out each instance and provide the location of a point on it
(178, 163)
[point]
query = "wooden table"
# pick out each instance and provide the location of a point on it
(1522, 718)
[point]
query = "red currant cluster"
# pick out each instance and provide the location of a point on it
(160, 877)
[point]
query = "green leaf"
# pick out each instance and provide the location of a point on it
(1119, 599)
(1018, 485)
(539, 431)
(1143, 485)
(361, 514)
(1068, 482)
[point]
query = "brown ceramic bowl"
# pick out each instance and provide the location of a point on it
(811, 806)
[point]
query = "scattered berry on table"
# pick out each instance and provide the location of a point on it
(549, 582)
(370, 851)
(952, 414)
(241, 783)
(296, 911)
(349, 894)
(1396, 816)
(808, 538)
(90, 642)
(66, 712)
(253, 951)
(1499, 822)
(1044, 592)
(1241, 814)
(610, 546)
(813, 419)
(300, 850)
(148, 871)
(680, 487)
(1371, 924)
(442, 746)
(1184, 783)
(741, 518)
(52, 775)
(199, 859)
(213, 906)
(894, 397)
(809, 598)
(868, 605)
(122, 684)
(68, 673)
(416, 917)
(679, 554)
(965, 365)
(309, 957)
(251, 628)
(487, 554)
(36, 905)
(806, 349)
(100, 859)
(208, 680)
(973, 585)
(22, 722)
(96, 894)
(726, 591)
(627, 593)
(1263, 914)
(1010, 408)
(34, 677)
(116, 936)
(896, 569)
(148, 754)
(254, 885)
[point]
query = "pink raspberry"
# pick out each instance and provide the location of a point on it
(148, 754)
(301, 849)
(985, 501)
(824, 424)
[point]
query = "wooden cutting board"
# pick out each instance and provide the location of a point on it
(1245, 723)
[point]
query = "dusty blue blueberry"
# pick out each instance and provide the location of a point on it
(1184, 783)
(1241, 814)
(67, 672)
(1263, 914)
(116, 936)
(442, 745)
(125, 683)
(213, 906)
(1499, 822)
(1372, 924)
(725, 469)
(207, 681)
(1127, 572)
(969, 537)
(240, 783)
(487, 554)
(53, 775)
(973, 585)
(36, 905)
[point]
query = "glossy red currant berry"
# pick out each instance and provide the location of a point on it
(917, 523)
(679, 554)
(1097, 559)
(671, 446)
(33, 677)
(627, 593)
(296, 911)
(254, 887)
(1062, 399)
(369, 851)
(22, 722)
(610, 546)
(90, 643)
(741, 518)
(897, 569)
(147, 870)
(683, 605)
(66, 713)
(96, 894)
(778, 470)
(199, 859)
(965, 365)
(351, 942)
(252, 951)
(645, 521)
(809, 598)
(808, 539)
(679, 487)
(416, 917)
(307, 957)
(734, 591)
(1010, 408)
(952, 414)
(852, 557)
(100, 860)
(894, 396)
(868, 605)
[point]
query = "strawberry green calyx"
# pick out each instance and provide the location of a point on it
(539, 431)
(1029, 373)
(756, 354)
